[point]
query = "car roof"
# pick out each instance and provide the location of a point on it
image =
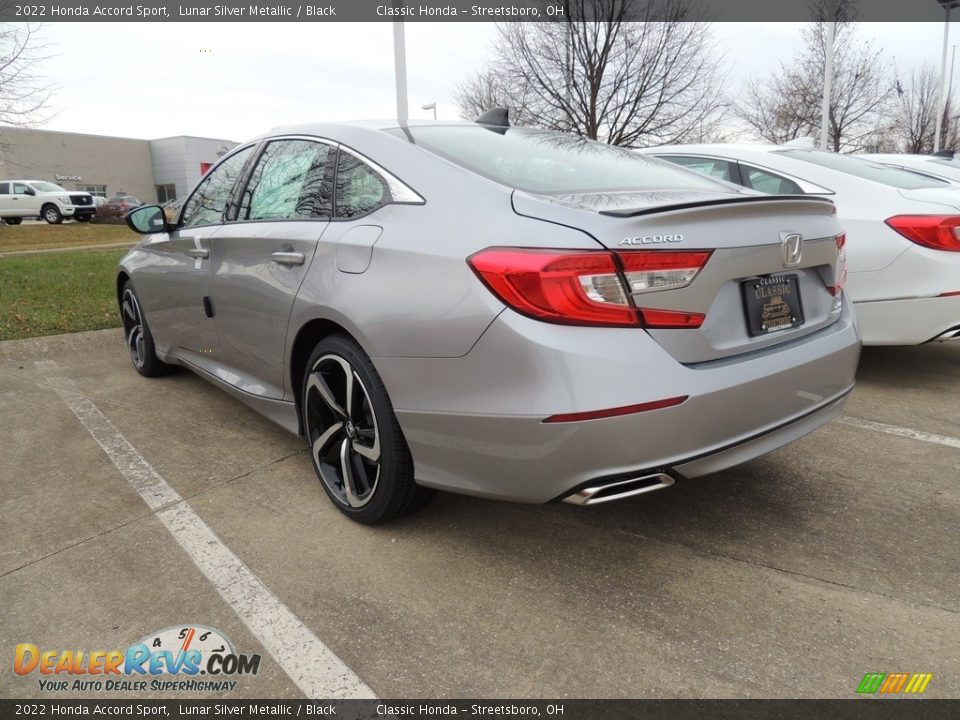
(898, 156)
(353, 129)
(719, 148)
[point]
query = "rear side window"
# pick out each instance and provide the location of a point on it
(360, 189)
(209, 201)
(866, 169)
(720, 169)
(290, 181)
(768, 182)
(4, 188)
(547, 162)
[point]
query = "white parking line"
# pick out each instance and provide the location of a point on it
(901, 431)
(311, 665)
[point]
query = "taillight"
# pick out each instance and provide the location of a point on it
(561, 286)
(665, 319)
(576, 287)
(841, 269)
(652, 270)
(940, 232)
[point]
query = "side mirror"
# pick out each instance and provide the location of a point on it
(29, 191)
(147, 219)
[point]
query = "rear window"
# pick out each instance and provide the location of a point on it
(866, 169)
(542, 161)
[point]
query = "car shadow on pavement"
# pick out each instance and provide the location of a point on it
(924, 365)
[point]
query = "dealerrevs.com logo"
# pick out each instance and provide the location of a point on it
(172, 659)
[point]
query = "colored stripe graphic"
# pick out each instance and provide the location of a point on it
(918, 683)
(893, 683)
(871, 683)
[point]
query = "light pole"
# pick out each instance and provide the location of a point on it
(827, 85)
(430, 106)
(947, 6)
(400, 71)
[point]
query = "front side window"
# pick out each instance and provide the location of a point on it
(543, 161)
(209, 201)
(768, 182)
(359, 188)
(19, 188)
(289, 182)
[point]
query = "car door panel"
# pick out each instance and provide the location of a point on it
(22, 203)
(259, 261)
(176, 280)
(256, 272)
(172, 283)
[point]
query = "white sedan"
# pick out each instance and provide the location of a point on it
(903, 230)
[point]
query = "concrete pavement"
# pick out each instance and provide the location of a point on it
(790, 576)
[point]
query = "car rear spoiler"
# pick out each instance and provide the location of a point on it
(635, 212)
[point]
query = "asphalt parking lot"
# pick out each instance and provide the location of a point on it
(790, 576)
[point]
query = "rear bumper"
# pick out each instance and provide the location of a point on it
(909, 321)
(474, 423)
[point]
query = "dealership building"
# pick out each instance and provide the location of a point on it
(150, 170)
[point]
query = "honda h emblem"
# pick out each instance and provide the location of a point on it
(792, 244)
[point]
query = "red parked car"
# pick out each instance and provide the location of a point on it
(122, 203)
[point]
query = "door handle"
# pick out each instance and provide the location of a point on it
(198, 252)
(288, 258)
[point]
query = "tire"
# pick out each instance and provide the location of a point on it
(362, 442)
(51, 213)
(13, 221)
(137, 335)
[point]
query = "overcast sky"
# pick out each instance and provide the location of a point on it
(235, 80)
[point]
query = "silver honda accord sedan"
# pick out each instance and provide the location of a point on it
(492, 310)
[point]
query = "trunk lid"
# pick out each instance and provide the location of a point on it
(745, 233)
(947, 198)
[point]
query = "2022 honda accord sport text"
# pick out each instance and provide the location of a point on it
(498, 311)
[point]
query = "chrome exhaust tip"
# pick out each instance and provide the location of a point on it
(952, 334)
(619, 489)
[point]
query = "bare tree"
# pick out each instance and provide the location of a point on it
(24, 93)
(917, 107)
(602, 76)
(787, 103)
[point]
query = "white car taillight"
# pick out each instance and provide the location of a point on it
(653, 270)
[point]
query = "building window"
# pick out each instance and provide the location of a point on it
(166, 193)
(96, 190)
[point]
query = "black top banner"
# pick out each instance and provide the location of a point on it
(475, 10)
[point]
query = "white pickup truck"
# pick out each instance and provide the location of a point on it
(41, 199)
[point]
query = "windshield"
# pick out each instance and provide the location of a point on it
(44, 186)
(866, 169)
(542, 161)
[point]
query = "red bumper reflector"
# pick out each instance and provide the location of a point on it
(678, 319)
(616, 412)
